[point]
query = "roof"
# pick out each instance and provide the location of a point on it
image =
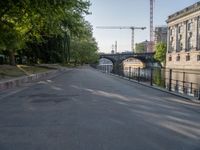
(186, 11)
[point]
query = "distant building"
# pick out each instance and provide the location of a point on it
(160, 34)
(141, 47)
(132, 63)
(184, 39)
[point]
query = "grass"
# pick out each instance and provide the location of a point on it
(28, 70)
(8, 72)
(69, 65)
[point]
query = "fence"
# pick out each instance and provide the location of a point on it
(179, 81)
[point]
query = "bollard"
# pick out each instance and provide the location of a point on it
(191, 88)
(199, 94)
(170, 80)
(151, 78)
(139, 74)
(184, 88)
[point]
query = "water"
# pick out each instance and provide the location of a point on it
(181, 81)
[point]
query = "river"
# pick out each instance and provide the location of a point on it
(182, 81)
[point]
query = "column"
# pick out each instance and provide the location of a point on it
(185, 43)
(176, 38)
(195, 31)
(197, 37)
(168, 40)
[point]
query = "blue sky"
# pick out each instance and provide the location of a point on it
(128, 13)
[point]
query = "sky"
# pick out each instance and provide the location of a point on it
(128, 13)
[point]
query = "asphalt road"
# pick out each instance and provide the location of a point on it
(84, 109)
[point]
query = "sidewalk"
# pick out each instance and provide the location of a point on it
(18, 81)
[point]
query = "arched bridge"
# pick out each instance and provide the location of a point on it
(117, 59)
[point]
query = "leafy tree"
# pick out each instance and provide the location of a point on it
(140, 48)
(84, 52)
(161, 49)
(36, 25)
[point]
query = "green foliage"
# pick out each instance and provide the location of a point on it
(42, 30)
(161, 49)
(159, 77)
(140, 48)
(84, 51)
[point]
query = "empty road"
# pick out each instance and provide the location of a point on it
(83, 109)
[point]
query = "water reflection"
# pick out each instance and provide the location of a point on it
(105, 65)
(181, 81)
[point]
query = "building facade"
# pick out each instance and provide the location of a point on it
(183, 40)
(132, 63)
(160, 34)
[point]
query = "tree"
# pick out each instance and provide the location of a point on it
(33, 25)
(84, 47)
(140, 48)
(160, 55)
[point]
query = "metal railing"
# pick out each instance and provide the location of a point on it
(187, 83)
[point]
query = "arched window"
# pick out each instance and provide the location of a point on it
(190, 26)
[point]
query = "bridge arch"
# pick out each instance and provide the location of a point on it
(109, 58)
(106, 64)
(117, 59)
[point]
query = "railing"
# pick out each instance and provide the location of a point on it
(187, 83)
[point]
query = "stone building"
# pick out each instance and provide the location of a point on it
(130, 64)
(160, 34)
(184, 39)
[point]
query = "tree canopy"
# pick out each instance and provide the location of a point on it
(160, 54)
(140, 47)
(43, 30)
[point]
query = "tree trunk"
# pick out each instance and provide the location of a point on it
(12, 58)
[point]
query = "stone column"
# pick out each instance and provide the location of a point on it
(168, 41)
(197, 36)
(176, 38)
(185, 43)
(195, 31)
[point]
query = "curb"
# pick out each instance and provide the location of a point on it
(4, 85)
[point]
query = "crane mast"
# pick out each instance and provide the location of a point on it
(133, 28)
(151, 20)
(151, 25)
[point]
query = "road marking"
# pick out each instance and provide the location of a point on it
(10, 93)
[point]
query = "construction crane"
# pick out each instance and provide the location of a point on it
(151, 25)
(124, 27)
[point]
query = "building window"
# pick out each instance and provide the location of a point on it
(198, 57)
(190, 26)
(188, 57)
(172, 39)
(178, 58)
(170, 58)
(171, 31)
(179, 29)
(180, 44)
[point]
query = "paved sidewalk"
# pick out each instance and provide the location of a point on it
(18, 81)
